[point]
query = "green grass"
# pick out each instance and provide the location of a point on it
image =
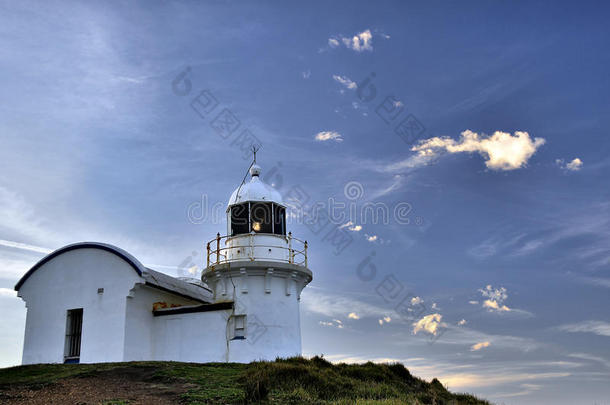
(285, 381)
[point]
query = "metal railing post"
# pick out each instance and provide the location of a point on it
(251, 242)
(208, 248)
(218, 248)
(305, 253)
(290, 247)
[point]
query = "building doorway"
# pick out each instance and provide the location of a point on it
(74, 329)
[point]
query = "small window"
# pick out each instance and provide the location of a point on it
(239, 219)
(261, 217)
(74, 328)
(238, 327)
(279, 220)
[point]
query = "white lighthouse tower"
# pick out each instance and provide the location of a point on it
(262, 269)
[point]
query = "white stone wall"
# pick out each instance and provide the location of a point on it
(70, 281)
(139, 324)
(273, 320)
(196, 337)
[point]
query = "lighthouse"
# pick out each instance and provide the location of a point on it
(262, 269)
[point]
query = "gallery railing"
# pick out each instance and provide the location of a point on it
(256, 246)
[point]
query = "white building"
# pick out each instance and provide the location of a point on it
(93, 302)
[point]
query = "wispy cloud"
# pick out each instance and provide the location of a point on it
(24, 246)
(501, 151)
(335, 306)
(600, 328)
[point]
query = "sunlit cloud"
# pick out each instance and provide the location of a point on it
(385, 319)
(493, 305)
(495, 298)
(353, 315)
(328, 136)
(462, 322)
(416, 301)
(429, 324)
(479, 346)
(371, 238)
(573, 165)
(502, 151)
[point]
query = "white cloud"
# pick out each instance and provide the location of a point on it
(479, 346)
(353, 315)
(473, 302)
(462, 322)
(7, 292)
(600, 328)
(360, 42)
(328, 136)
(429, 324)
(346, 81)
(502, 151)
(573, 166)
(351, 226)
(371, 238)
(306, 74)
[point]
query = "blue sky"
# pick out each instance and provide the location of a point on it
(505, 261)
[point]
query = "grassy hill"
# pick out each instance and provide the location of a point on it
(284, 381)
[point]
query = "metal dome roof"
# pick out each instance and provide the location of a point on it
(255, 190)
